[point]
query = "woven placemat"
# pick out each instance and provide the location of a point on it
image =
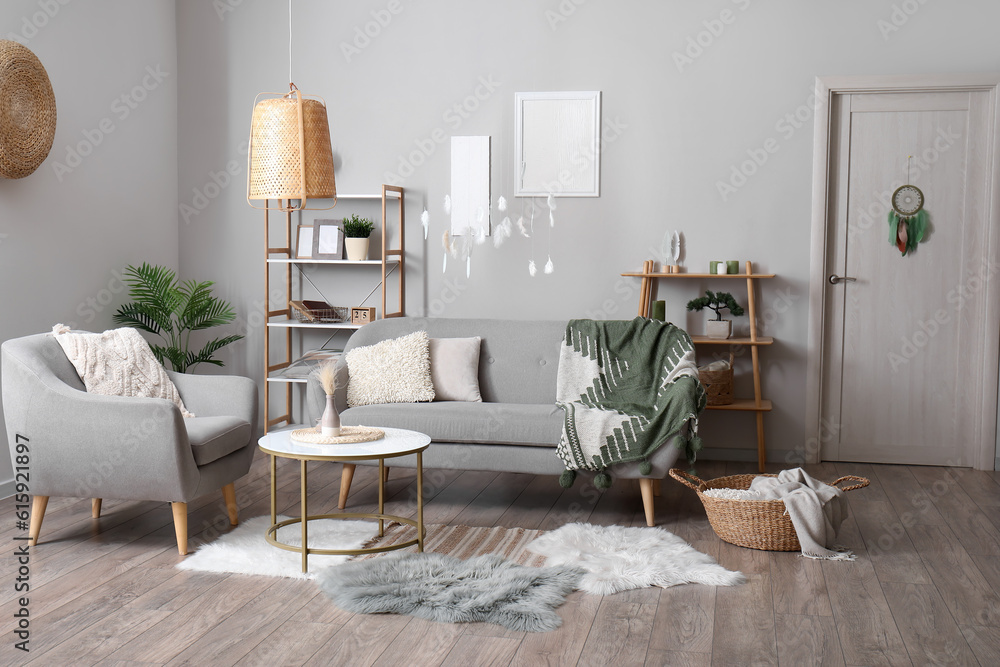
(27, 111)
(348, 435)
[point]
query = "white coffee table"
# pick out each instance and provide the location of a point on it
(397, 442)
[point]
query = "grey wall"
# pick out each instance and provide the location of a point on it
(676, 129)
(65, 231)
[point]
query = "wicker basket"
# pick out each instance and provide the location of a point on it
(757, 524)
(719, 384)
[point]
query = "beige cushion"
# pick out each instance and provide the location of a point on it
(455, 368)
(393, 371)
(118, 362)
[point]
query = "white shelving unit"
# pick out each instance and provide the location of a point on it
(392, 260)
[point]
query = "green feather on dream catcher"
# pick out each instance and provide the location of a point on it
(907, 218)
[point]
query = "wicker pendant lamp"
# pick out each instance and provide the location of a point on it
(291, 157)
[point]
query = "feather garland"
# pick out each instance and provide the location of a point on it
(551, 201)
(425, 220)
(532, 270)
(502, 204)
(447, 204)
(549, 268)
(521, 228)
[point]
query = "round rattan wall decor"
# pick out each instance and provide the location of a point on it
(27, 111)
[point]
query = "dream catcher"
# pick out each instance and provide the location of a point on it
(907, 219)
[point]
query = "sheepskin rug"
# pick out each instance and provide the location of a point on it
(617, 558)
(438, 587)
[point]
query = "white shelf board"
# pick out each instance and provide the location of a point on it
(388, 194)
(295, 380)
(348, 262)
(295, 324)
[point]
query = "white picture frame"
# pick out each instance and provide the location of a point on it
(304, 242)
(328, 239)
(470, 184)
(557, 144)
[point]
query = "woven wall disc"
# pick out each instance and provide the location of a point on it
(27, 111)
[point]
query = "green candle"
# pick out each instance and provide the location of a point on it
(658, 311)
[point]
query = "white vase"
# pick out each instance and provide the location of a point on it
(719, 328)
(329, 424)
(357, 249)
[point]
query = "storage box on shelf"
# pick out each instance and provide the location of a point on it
(289, 318)
(756, 404)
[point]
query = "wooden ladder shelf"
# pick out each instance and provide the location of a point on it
(757, 404)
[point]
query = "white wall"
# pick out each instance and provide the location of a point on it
(677, 131)
(66, 231)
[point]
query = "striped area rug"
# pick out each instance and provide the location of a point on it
(465, 542)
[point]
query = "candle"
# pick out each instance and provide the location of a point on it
(733, 266)
(720, 268)
(713, 267)
(658, 311)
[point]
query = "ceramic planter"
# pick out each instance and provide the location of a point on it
(719, 328)
(357, 249)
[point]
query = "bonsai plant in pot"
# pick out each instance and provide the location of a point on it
(356, 233)
(717, 301)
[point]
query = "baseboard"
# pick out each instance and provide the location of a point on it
(7, 488)
(789, 457)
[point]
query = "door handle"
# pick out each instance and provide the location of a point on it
(834, 279)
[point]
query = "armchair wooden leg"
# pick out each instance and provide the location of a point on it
(229, 495)
(181, 526)
(346, 477)
(656, 487)
(646, 488)
(95, 508)
(38, 505)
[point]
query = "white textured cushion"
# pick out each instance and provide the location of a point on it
(118, 362)
(455, 368)
(393, 371)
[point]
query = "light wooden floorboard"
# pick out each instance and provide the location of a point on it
(925, 588)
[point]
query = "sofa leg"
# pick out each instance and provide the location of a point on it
(38, 505)
(229, 495)
(95, 508)
(346, 477)
(181, 526)
(646, 488)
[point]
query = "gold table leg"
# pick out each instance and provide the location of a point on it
(381, 496)
(305, 519)
(274, 491)
(420, 501)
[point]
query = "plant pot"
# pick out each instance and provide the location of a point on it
(719, 328)
(357, 249)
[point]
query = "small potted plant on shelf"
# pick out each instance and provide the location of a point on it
(356, 233)
(717, 328)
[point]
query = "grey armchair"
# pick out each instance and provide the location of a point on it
(91, 446)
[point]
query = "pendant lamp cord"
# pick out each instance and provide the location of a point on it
(289, 40)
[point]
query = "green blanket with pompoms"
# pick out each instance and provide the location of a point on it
(626, 386)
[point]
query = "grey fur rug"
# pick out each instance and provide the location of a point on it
(443, 588)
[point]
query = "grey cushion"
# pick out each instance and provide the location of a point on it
(212, 438)
(466, 422)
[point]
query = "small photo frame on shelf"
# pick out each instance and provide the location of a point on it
(328, 240)
(304, 242)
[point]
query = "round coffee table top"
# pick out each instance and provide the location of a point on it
(397, 442)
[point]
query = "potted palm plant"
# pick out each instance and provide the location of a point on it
(172, 310)
(356, 233)
(717, 301)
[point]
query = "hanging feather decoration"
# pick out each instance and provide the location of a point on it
(480, 236)
(551, 201)
(531, 268)
(447, 204)
(549, 268)
(906, 232)
(444, 267)
(468, 266)
(521, 228)
(425, 220)
(502, 204)
(497, 239)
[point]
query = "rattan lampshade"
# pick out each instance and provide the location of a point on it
(290, 152)
(27, 111)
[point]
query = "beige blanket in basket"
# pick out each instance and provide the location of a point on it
(815, 508)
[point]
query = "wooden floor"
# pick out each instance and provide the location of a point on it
(924, 590)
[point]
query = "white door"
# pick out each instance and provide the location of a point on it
(905, 342)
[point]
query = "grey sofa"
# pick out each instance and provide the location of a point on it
(92, 446)
(517, 426)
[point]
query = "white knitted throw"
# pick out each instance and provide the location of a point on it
(118, 362)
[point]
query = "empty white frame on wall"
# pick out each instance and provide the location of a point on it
(557, 144)
(470, 184)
